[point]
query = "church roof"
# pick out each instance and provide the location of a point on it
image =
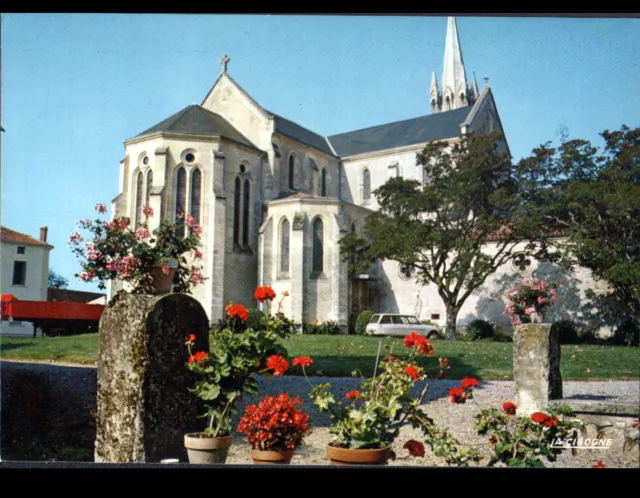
(196, 120)
(401, 133)
(301, 134)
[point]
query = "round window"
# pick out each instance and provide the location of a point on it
(406, 271)
(145, 160)
(242, 168)
(521, 263)
(189, 157)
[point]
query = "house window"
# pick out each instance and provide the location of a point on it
(318, 246)
(20, 249)
(19, 273)
(366, 185)
(149, 185)
(323, 182)
(236, 212)
(196, 182)
(138, 215)
(181, 198)
(245, 217)
(435, 316)
(291, 172)
(284, 246)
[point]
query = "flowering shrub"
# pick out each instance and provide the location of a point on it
(371, 417)
(275, 424)
(226, 372)
(521, 441)
(529, 297)
(116, 250)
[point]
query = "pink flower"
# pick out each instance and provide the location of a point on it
(530, 310)
(197, 230)
(92, 253)
(197, 277)
(147, 210)
(87, 276)
(197, 254)
(165, 269)
(142, 233)
(101, 208)
(541, 300)
(75, 238)
(190, 221)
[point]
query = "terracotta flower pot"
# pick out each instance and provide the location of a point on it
(161, 282)
(348, 456)
(267, 457)
(205, 449)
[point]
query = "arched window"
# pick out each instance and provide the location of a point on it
(181, 198)
(318, 246)
(245, 217)
(236, 212)
(433, 106)
(196, 188)
(489, 121)
(138, 213)
(291, 173)
(323, 182)
(462, 98)
(448, 100)
(149, 186)
(284, 246)
(366, 185)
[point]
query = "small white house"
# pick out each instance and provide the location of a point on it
(24, 272)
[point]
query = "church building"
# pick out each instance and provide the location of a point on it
(273, 197)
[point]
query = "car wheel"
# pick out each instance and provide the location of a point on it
(432, 335)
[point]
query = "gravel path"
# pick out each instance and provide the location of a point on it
(80, 382)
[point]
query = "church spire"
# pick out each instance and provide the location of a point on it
(474, 87)
(454, 79)
(434, 94)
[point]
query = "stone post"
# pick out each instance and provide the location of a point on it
(144, 406)
(536, 367)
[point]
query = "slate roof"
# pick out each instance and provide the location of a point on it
(301, 134)
(12, 236)
(196, 120)
(408, 132)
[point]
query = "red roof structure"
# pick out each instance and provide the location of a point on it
(11, 236)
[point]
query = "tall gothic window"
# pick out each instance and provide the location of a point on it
(291, 173)
(149, 185)
(366, 185)
(181, 198)
(318, 246)
(284, 246)
(138, 199)
(196, 188)
(236, 212)
(245, 217)
(323, 182)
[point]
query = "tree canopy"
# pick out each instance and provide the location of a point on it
(57, 281)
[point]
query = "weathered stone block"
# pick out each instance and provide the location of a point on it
(536, 366)
(144, 406)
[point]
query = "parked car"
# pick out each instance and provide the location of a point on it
(400, 325)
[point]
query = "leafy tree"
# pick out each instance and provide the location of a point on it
(442, 228)
(57, 281)
(593, 198)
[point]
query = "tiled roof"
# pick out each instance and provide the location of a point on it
(196, 120)
(300, 195)
(420, 130)
(301, 134)
(14, 237)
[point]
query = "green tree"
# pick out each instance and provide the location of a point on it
(442, 228)
(57, 281)
(593, 198)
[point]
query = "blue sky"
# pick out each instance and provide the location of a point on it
(75, 86)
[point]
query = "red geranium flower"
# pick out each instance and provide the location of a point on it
(416, 448)
(198, 357)
(457, 395)
(421, 343)
(509, 408)
(304, 361)
(551, 421)
(599, 465)
(264, 293)
(278, 364)
(412, 372)
(238, 311)
(539, 418)
(352, 394)
(468, 382)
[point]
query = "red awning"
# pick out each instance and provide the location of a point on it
(30, 310)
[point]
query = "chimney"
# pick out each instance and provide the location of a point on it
(43, 234)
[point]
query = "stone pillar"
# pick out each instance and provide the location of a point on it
(536, 367)
(218, 237)
(144, 406)
(298, 267)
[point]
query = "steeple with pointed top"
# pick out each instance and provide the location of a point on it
(434, 94)
(455, 92)
(474, 87)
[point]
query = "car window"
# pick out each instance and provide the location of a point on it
(412, 320)
(397, 320)
(374, 319)
(385, 319)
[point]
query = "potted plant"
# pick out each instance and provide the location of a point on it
(368, 420)
(528, 302)
(225, 373)
(274, 429)
(149, 261)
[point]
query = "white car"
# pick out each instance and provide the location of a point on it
(400, 325)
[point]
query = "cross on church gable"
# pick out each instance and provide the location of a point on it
(225, 62)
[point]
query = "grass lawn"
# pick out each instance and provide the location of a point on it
(338, 356)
